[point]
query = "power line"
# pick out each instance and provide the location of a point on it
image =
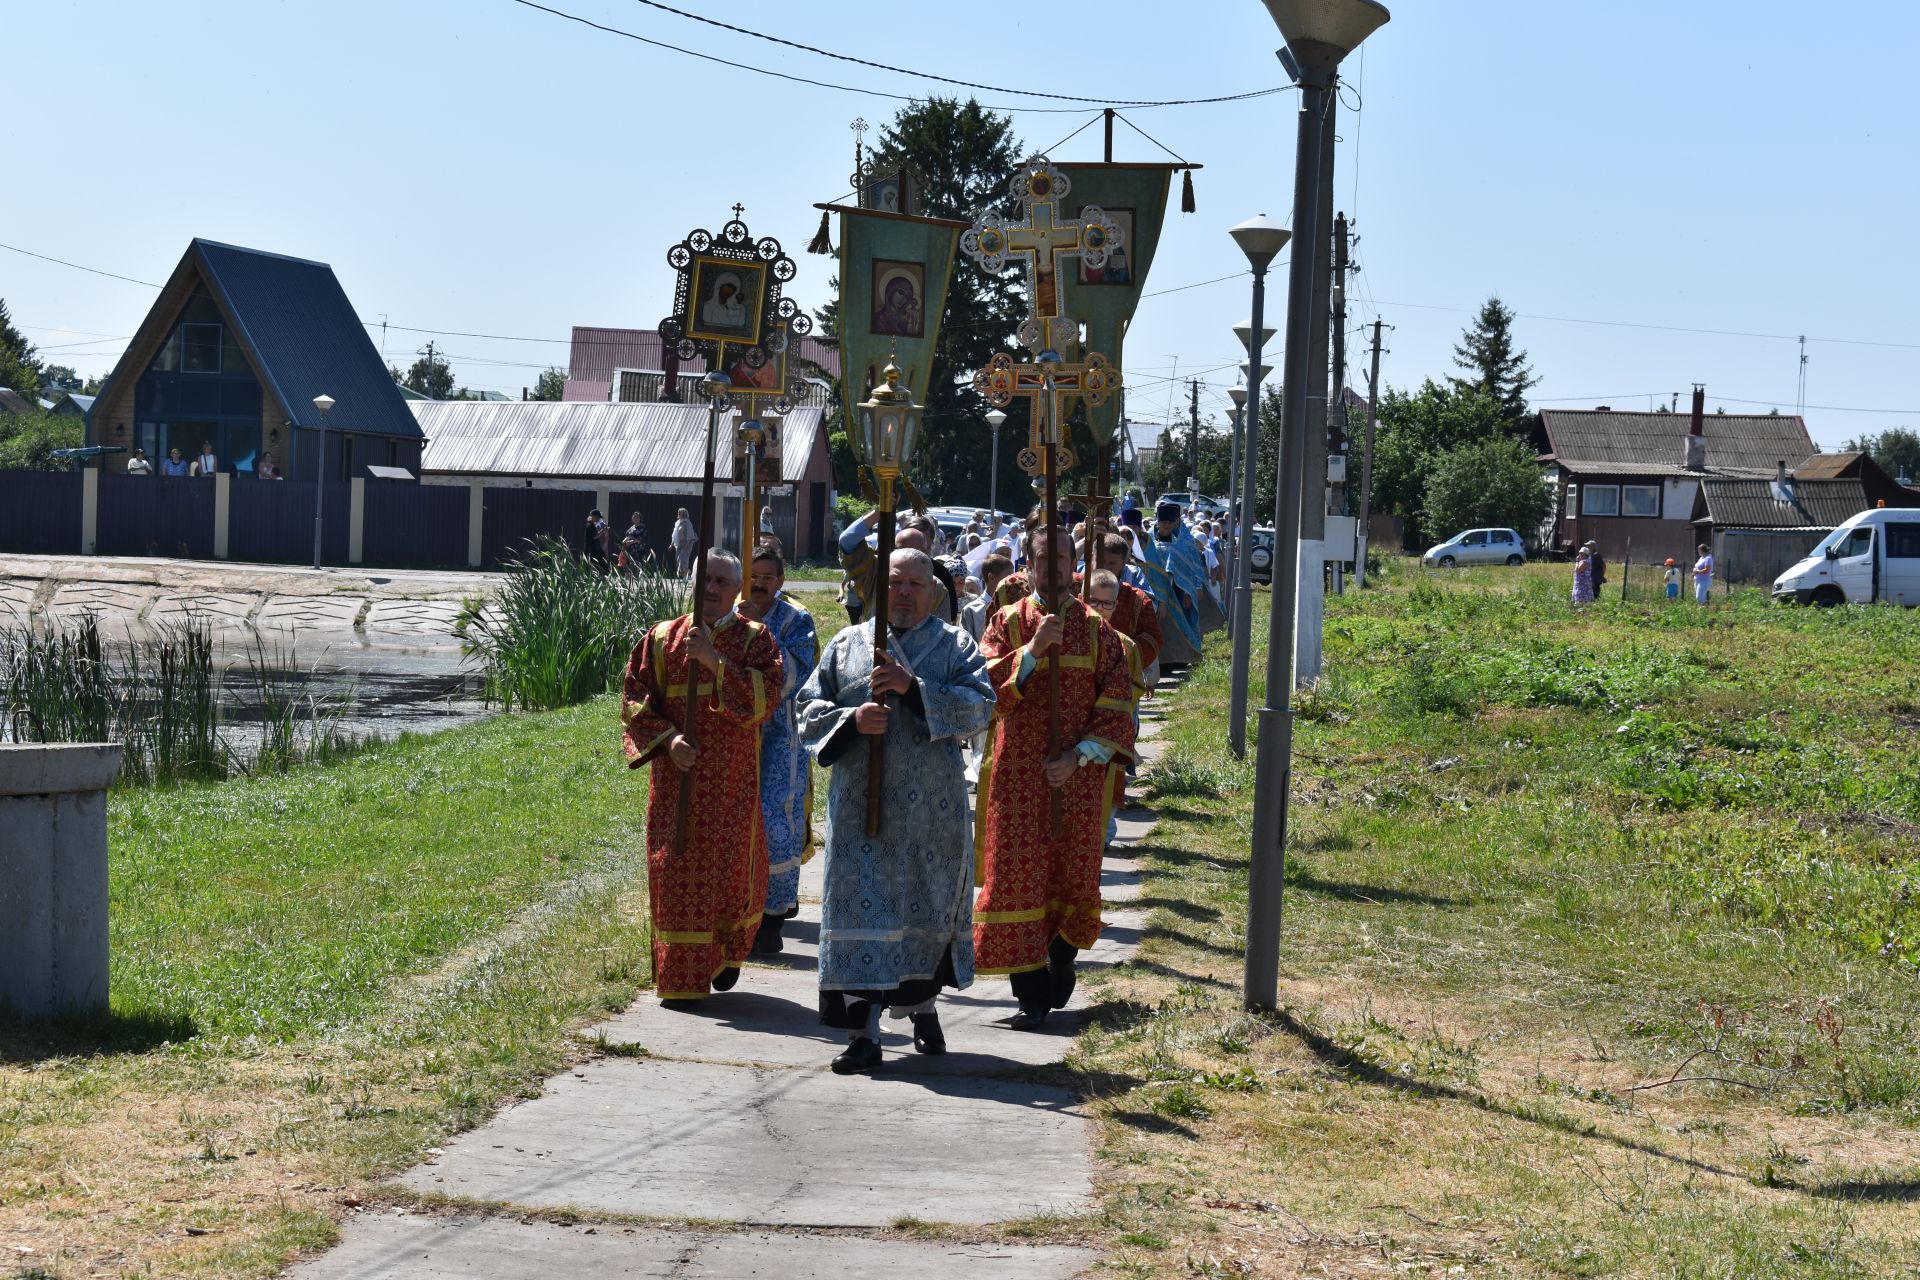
(847, 88)
(1667, 328)
(77, 267)
(928, 75)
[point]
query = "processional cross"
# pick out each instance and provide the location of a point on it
(1046, 242)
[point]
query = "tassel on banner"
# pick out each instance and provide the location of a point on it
(918, 503)
(1186, 192)
(822, 241)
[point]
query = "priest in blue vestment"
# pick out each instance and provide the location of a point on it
(896, 921)
(786, 779)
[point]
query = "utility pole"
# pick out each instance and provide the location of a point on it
(1312, 602)
(1337, 404)
(1366, 466)
(1193, 448)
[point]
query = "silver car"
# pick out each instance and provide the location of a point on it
(1477, 546)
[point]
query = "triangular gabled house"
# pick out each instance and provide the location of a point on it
(233, 353)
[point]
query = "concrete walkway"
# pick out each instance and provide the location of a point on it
(729, 1116)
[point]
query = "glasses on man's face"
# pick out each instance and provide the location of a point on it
(1104, 602)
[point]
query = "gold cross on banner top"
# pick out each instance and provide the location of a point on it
(1046, 242)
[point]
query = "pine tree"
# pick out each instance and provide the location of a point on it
(19, 371)
(1495, 369)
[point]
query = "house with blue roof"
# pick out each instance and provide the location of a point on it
(232, 355)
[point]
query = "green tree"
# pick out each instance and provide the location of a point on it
(1414, 432)
(1494, 481)
(966, 154)
(19, 371)
(552, 384)
(1494, 369)
(431, 376)
(27, 440)
(1897, 450)
(1171, 465)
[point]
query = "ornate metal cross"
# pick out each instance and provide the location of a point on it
(1046, 242)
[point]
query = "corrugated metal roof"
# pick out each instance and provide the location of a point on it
(296, 319)
(1751, 504)
(12, 401)
(598, 352)
(579, 440)
(1605, 440)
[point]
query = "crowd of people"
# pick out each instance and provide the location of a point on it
(1590, 574)
(925, 890)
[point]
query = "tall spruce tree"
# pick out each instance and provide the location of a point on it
(966, 156)
(1494, 369)
(19, 371)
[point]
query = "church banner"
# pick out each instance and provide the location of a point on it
(1104, 298)
(894, 272)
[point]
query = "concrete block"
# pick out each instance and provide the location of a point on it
(53, 877)
(397, 1246)
(760, 1147)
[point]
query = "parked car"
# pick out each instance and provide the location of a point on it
(1260, 555)
(1202, 503)
(1871, 557)
(1477, 546)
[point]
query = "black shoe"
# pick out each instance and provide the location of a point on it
(767, 942)
(724, 980)
(1061, 975)
(1029, 1020)
(680, 1004)
(927, 1035)
(862, 1055)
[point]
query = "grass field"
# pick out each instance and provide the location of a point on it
(1602, 957)
(1600, 954)
(316, 977)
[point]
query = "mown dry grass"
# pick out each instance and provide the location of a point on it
(1556, 1002)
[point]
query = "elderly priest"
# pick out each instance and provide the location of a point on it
(706, 856)
(895, 920)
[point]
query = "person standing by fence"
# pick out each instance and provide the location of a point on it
(1703, 574)
(685, 540)
(1673, 581)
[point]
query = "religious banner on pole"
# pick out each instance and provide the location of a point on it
(894, 273)
(1104, 297)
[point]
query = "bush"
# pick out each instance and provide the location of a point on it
(1492, 482)
(562, 627)
(27, 440)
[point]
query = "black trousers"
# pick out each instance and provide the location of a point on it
(1034, 988)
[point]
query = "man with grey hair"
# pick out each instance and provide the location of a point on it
(896, 917)
(706, 850)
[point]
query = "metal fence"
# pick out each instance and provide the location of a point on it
(40, 512)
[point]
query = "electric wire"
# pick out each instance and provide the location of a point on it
(928, 75)
(874, 93)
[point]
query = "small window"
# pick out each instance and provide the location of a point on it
(1903, 541)
(1640, 500)
(1478, 538)
(1600, 500)
(200, 348)
(1505, 537)
(1857, 543)
(168, 360)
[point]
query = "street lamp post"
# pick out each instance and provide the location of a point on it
(1319, 34)
(995, 419)
(1261, 239)
(323, 402)
(1237, 419)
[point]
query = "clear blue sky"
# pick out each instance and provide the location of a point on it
(482, 166)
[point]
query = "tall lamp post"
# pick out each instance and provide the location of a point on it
(323, 402)
(1319, 34)
(1238, 419)
(995, 419)
(1261, 239)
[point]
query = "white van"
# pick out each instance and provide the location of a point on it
(1871, 557)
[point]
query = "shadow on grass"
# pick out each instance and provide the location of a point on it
(1880, 1192)
(1348, 1063)
(90, 1036)
(1147, 1122)
(1179, 907)
(1376, 895)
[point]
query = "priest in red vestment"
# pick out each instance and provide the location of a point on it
(1039, 904)
(706, 887)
